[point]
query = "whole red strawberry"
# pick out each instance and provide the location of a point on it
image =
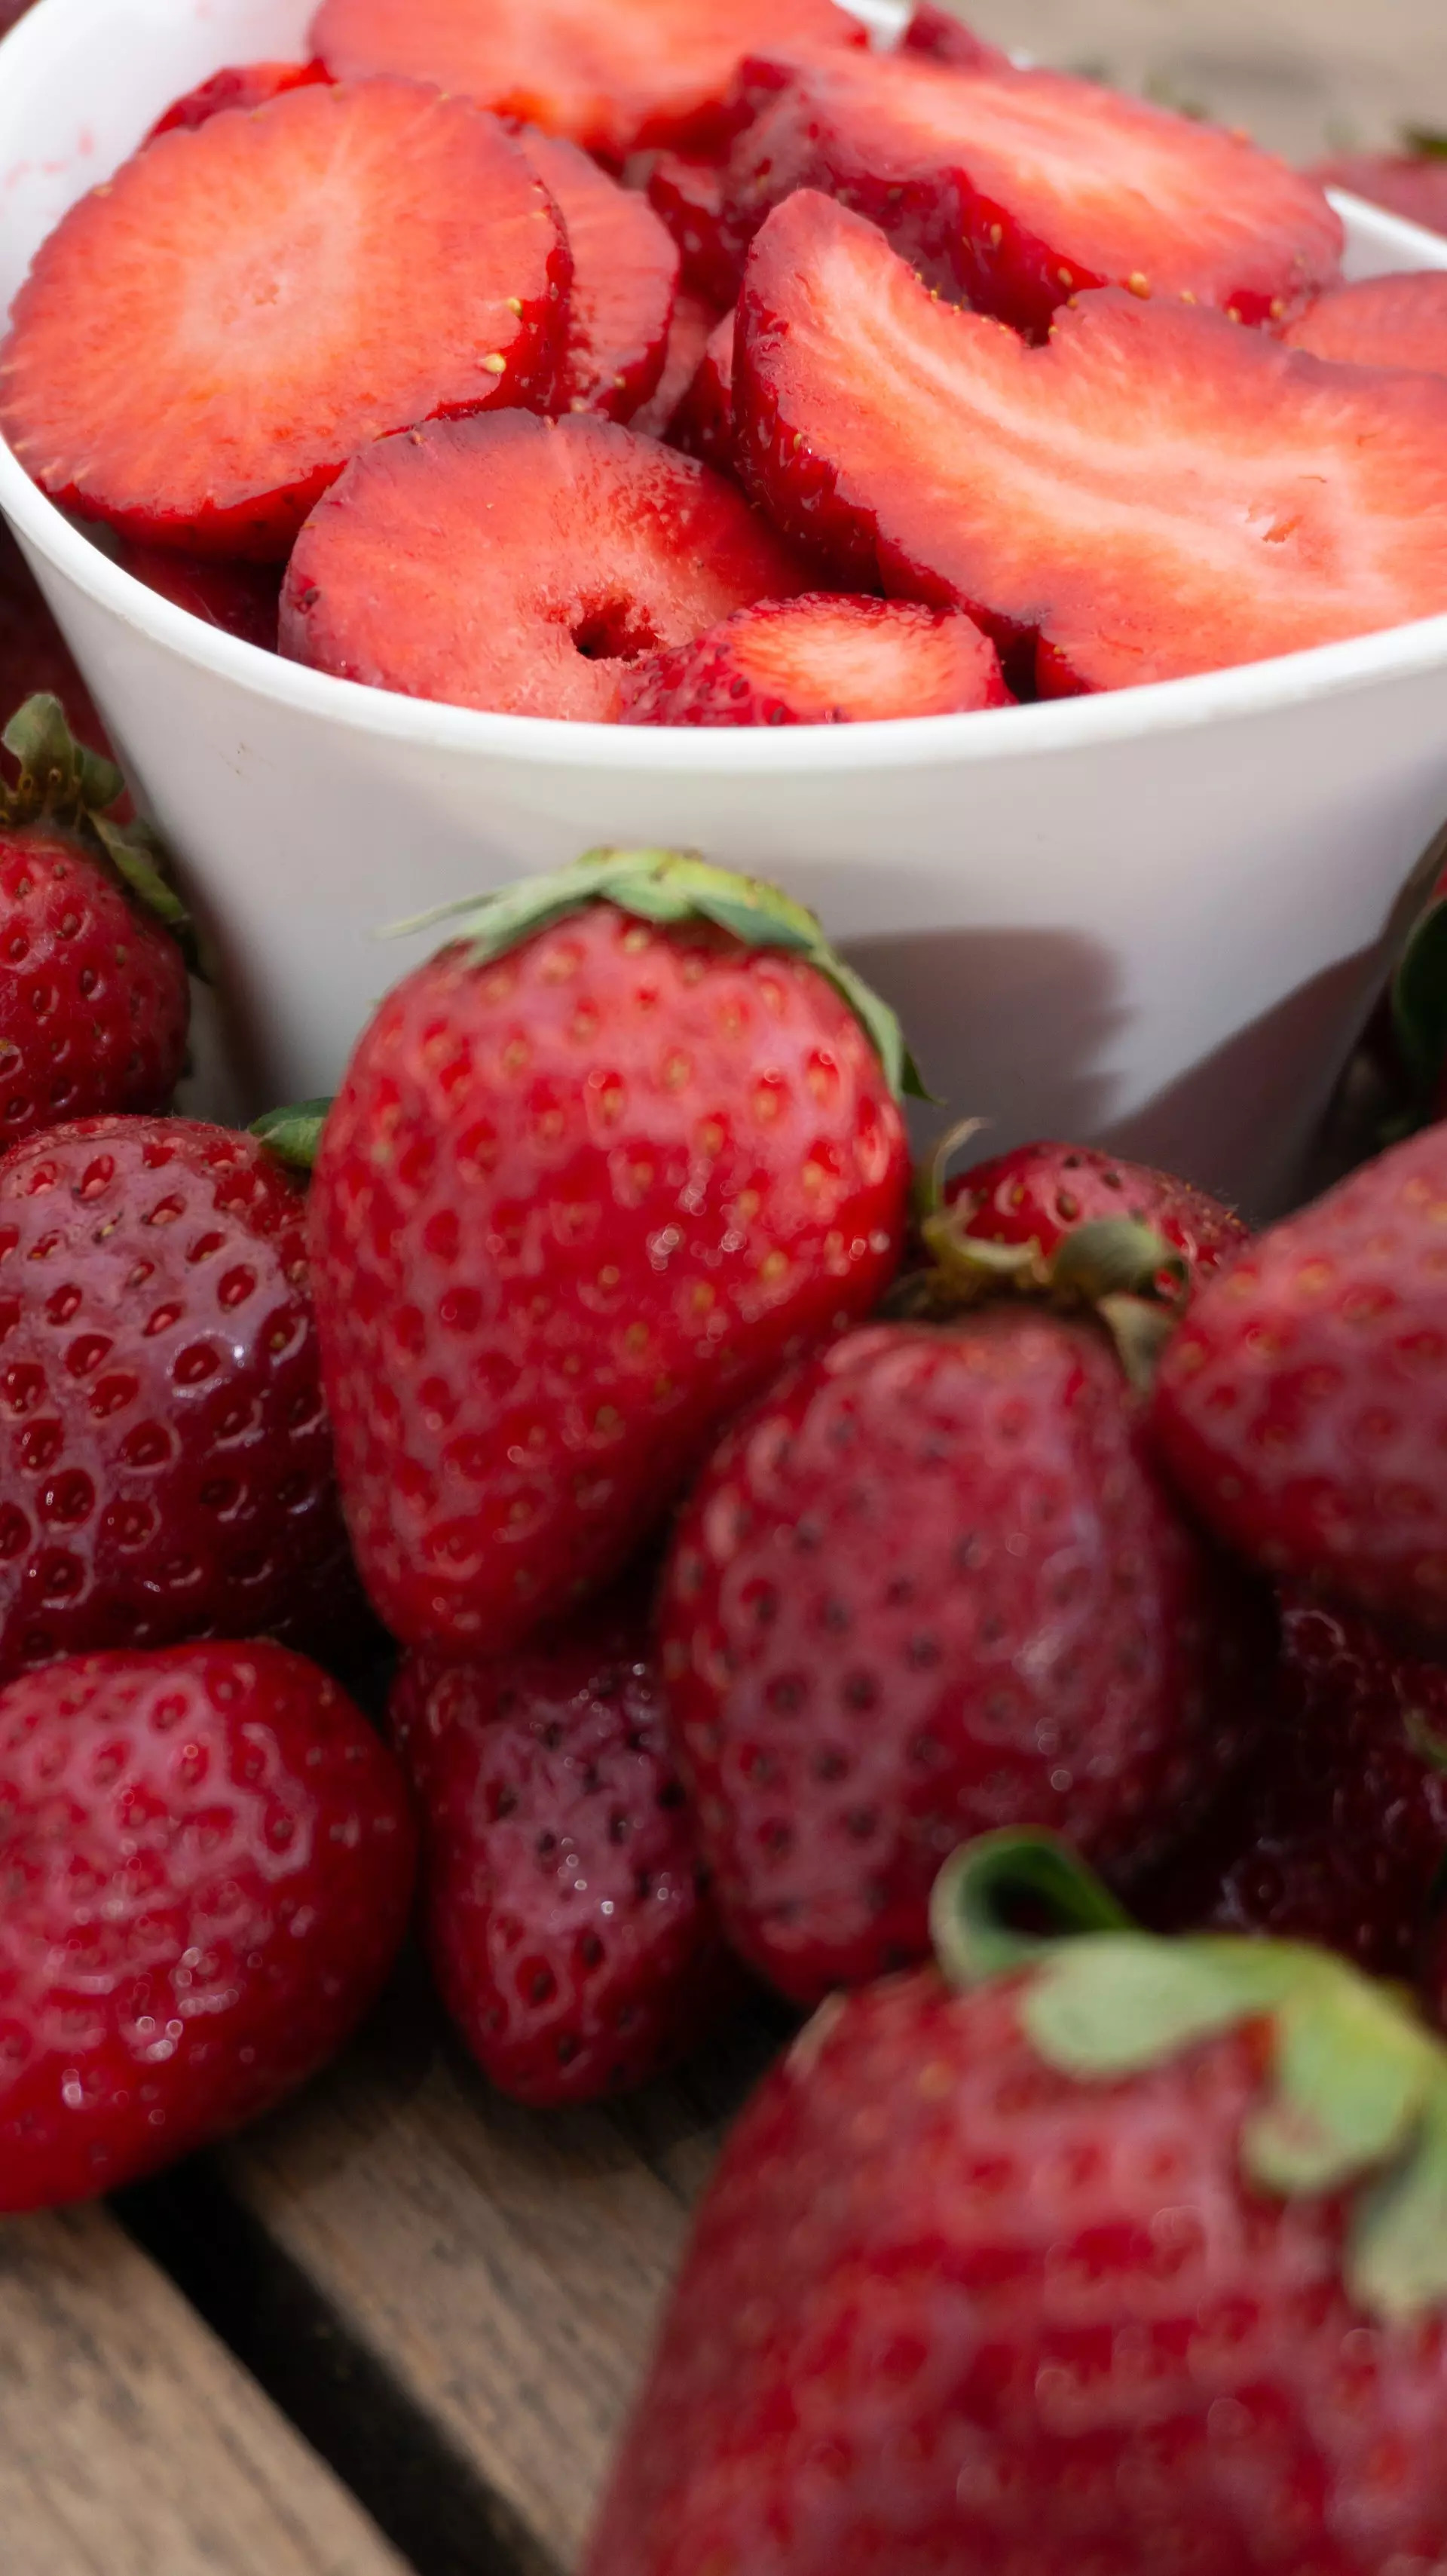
(167, 1463)
(94, 1000)
(932, 1583)
(1302, 1406)
(1034, 1196)
(207, 1859)
(1128, 2262)
(594, 1174)
(565, 1912)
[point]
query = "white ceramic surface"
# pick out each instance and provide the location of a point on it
(1157, 918)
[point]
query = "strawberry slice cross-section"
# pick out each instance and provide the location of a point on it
(1395, 321)
(1151, 494)
(819, 660)
(625, 279)
(205, 340)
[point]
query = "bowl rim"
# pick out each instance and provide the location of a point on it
(802, 751)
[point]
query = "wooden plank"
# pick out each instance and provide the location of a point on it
(130, 2442)
(505, 2267)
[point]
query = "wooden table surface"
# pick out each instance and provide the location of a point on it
(397, 2326)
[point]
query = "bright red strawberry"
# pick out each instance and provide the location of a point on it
(203, 342)
(1083, 500)
(1030, 1199)
(241, 85)
(167, 1463)
(1404, 183)
(34, 656)
(703, 424)
(94, 1000)
(208, 1860)
(564, 1908)
(1017, 189)
(688, 194)
(692, 328)
(625, 279)
(944, 38)
(520, 564)
(1379, 322)
(929, 1584)
(1337, 1832)
(1127, 2263)
(243, 599)
(1302, 1406)
(819, 660)
(595, 1172)
(612, 74)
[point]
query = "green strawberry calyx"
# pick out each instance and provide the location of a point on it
(293, 1134)
(673, 886)
(61, 783)
(1355, 2095)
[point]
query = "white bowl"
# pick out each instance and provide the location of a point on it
(1156, 918)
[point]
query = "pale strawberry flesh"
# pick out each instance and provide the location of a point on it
(820, 660)
(625, 280)
(692, 328)
(703, 424)
(1379, 322)
(204, 342)
(1154, 493)
(518, 564)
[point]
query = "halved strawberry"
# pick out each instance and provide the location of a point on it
(1151, 494)
(819, 660)
(244, 85)
(1380, 322)
(205, 340)
(612, 74)
(703, 424)
(693, 326)
(946, 39)
(688, 194)
(625, 279)
(1410, 184)
(517, 564)
(1016, 189)
(241, 598)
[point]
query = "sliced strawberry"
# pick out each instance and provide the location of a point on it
(625, 279)
(242, 85)
(1151, 494)
(703, 424)
(693, 326)
(1380, 322)
(517, 564)
(819, 660)
(243, 599)
(1014, 190)
(613, 74)
(203, 342)
(1402, 182)
(946, 39)
(688, 194)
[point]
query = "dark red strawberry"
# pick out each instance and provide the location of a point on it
(167, 1463)
(1379, 322)
(692, 328)
(520, 565)
(1018, 189)
(243, 599)
(207, 1858)
(625, 279)
(564, 1909)
(1302, 1406)
(595, 1172)
(1125, 2260)
(612, 74)
(703, 424)
(34, 656)
(1337, 1832)
(819, 660)
(203, 342)
(1031, 1198)
(929, 1584)
(688, 194)
(944, 38)
(242, 85)
(1405, 183)
(1083, 500)
(94, 1000)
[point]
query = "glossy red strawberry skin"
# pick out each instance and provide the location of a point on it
(242, 599)
(625, 279)
(167, 1463)
(565, 1912)
(822, 659)
(1337, 1831)
(1039, 1193)
(945, 2309)
(1379, 322)
(703, 424)
(1402, 182)
(930, 1585)
(208, 1859)
(242, 85)
(569, 1209)
(944, 38)
(94, 1001)
(1302, 1407)
(688, 195)
(690, 332)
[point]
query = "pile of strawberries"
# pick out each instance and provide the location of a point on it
(688, 362)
